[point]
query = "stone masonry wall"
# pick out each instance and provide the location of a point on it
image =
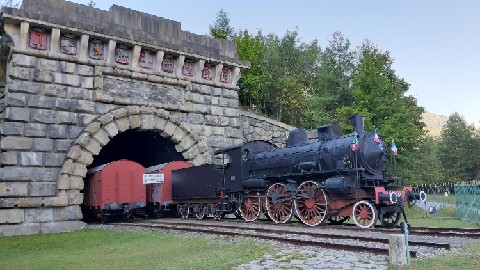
(58, 110)
(255, 127)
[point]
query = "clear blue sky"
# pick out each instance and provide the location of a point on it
(435, 43)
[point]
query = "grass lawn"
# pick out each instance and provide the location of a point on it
(441, 198)
(446, 217)
(468, 258)
(100, 249)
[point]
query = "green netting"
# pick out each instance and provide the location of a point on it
(467, 197)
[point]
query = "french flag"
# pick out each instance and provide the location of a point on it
(375, 138)
(394, 148)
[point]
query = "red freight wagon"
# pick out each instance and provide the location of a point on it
(115, 189)
(159, 196)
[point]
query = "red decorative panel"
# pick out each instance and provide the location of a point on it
(122, 55)
(96, 48)
(188, 68)
(168, 65)
(146, 59)
(207, 73)
(68, 44)
(225, 75)
(38, 39)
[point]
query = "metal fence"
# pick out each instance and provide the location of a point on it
(467, 197)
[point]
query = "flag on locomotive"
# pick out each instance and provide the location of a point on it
(394, 149)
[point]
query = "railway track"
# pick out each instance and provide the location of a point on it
(279, 235)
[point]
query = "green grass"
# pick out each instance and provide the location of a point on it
(99, 249)
(446, 217)
(441, 198)
(468, 258)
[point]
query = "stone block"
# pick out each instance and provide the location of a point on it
(135, 121)
(42, 189)
(9, 158)
(43, 76)
(67, 118)
(17, 114)
(112, 129)
(25, 87)
(54, 160)
(79, 93)
(214, 110)
(85, 119)
(102, 137)
(170, 128)
(16, 99)
(21, 73)
(85, 70)
(11, 128)
(11, 216)
(42, 144)
(35, 130)
(76, 183)
(67, 67)
(30, 159)
(107, 118)
(75, 131)
(46, 65)
(61, 226)
(102, 108)
(93, 146)
(55, 90)
(43, 116)
(46, 174)
(13, 189)
(123, 124)
(93, 127)
(38, 215)
(67, 213)
(58, 131)
(85, 158)
(397, 250)
(80, 170)
(20, 229)
(16, 143)
(86, 82)
(42, 102)
(74, 197)
(23, 60)
(148, 120)
(63, 145)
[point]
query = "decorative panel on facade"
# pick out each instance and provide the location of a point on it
(38, 38)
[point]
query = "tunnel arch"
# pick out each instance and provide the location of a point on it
(100, 132)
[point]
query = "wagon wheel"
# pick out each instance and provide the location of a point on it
(337, 220)
(311, 203)
(184, 210)
(364, 214)
(250, 209)
(201, 212)
(279, 203)
(390, 219)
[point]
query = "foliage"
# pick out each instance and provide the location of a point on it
(251, 48)
(99, 249)
(424, 163)
(221, 27)
(459, 148)
(91, 3)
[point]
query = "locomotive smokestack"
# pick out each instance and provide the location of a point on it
(358, 123)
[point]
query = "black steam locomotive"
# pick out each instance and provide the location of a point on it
(333, 178)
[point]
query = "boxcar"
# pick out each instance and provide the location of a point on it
(115, 189)
(159, 195)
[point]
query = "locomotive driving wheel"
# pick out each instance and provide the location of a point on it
(365, 214)
(279, 203)
(250, 209)
(311, 203)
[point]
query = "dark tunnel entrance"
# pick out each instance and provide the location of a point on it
(113, 186)
(146, 147)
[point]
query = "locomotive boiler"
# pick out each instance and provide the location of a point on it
(332, 178)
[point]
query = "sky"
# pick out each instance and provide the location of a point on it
(435, 43)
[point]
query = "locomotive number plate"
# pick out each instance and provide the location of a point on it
(153, 178)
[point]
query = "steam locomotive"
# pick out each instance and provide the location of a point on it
(332, 178)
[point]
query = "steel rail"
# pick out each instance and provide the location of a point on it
(355, 248)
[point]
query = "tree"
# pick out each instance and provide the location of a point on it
(221, 27)
(424, 164)
(332, 84)
(251, 48)
(459, 148)
(91, 3)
